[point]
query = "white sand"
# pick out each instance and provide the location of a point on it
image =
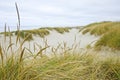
(54, 39)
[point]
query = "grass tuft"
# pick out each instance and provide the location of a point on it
(62, 30)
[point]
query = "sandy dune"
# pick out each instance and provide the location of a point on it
(74, 37)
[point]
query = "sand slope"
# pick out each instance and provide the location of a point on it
(74, 37)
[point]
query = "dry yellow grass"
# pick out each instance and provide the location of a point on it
(109, 32)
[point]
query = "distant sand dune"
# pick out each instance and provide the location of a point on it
(74, 37)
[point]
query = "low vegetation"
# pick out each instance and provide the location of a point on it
(61, 30)
(7, 33)
(71, 66)
(24, 34)
(42, 32)
(109, 32)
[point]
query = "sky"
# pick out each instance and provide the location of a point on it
(44, 13)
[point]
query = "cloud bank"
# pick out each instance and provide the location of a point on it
(59, 12)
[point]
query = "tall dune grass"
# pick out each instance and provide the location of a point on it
(72, 66)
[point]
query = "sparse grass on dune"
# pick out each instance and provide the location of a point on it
(41, 32)
(109, 32)
(7, 33)
(100, 28)
(61, 30)
(24, 34)
(48, 28)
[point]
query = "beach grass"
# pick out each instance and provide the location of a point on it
(62, 30)
(109, 32)
(40, 32)
(24, 34)
(68, 65)
(72, 66)
(7, 33)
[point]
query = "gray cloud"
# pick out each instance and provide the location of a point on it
(59, 12)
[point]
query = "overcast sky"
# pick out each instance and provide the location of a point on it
(59, 12)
